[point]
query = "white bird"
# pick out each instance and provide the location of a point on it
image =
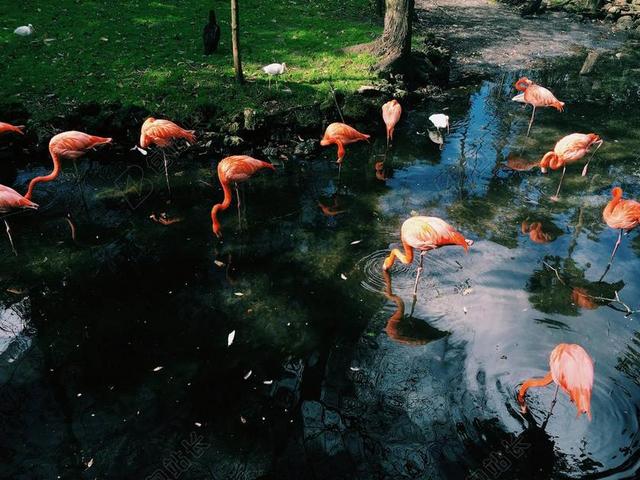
(440, 120)
(274, 69)
(25, 30)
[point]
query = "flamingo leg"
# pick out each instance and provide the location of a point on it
(238, 203)
(419, 272)
(613, 254)
(533, 114)
(556, 197)
(553, 404)
(586, 166)
(10, 238)
(166, 171)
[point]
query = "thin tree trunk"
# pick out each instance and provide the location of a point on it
(237, 63)
(398, 21)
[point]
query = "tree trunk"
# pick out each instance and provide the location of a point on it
(395, 42)
(237, 64)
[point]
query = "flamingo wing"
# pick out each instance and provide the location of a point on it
(572, 369)
(540, 97)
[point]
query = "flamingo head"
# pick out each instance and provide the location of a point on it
(522, 84)
(595, 139)
(616, 192)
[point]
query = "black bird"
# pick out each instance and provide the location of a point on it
(211, 34)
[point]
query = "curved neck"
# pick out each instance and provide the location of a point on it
(46, 178)
(220, 206)
(533, 382)
(550, 159)
(521, 85)
(613, 203)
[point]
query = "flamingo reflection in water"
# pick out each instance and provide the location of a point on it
(570, 368)
(424, 234)
(407, 330)
(536, 232)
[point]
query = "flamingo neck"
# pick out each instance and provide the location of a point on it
(533, 382)
(522, 84)
(46, 178)
(226, 202)
(550, 159)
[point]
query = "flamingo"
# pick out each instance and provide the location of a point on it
(72, 145)
(162, 133)
(10, 201)
(620, 214)
(424, 234)
(571, 368)
(7, 127)
(274, 69)
(536, 96)
(568, 150)
(391, 112)
(341, 134)
(236, 169)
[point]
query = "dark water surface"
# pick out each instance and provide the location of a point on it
(318, 383)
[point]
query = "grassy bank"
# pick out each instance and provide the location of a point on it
(149, 53)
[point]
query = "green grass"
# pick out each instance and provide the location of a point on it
(149, 53)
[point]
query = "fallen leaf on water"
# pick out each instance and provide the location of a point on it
(268, 382)
(248, 374)
(239, 294)
(218, 263)
(198, 424)
(355, 242)
(230, 338)
(343, 276)
(158, 368)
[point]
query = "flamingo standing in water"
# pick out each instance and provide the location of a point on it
(424, 234)
(235, 169)
(391, 112)
(162, 133)
(11, 201)
(568, 150)
(72, 145)
(341, 134)
(571, 368)
(622, 215)
(536, 96)
(7, 127)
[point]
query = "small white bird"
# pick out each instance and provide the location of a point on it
(440, 120)
(25, 30)
(274, 69)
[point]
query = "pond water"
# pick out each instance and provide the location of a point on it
(114, 355)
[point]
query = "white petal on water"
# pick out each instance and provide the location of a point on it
(343, 276)
(90, 463)
(230, 338)
(355, 369)
(238, 294)
(355, 242)
(218, 263)
(242, 419)
(198, 424)
(158, 368)
(268, 382)
(248, 374)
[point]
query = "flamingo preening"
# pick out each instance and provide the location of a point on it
(391, 113)
(341, 134)
(571, 368)
(11, 201)
(424, 234)
(66, 145)
(536, 96)
(7, 127)
(569, 150)
(162, 133)
(235, 169)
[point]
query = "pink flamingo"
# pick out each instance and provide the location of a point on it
(11, 201)
(7, 127)
(536, 96)
(571, 368)
(341, 134)
(424, 234)
(622, 215)
(66, 145)
(235, 169)
(391, 112)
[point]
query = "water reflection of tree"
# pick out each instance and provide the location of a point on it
(560, 286)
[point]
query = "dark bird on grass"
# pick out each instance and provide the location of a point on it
(211, 34)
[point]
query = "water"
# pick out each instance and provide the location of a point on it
(114, 346)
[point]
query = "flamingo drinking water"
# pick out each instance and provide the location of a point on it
(391, 112)
(424, 234)
(235, 169)
(66, 145)
(341, 134)
(568, 150)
